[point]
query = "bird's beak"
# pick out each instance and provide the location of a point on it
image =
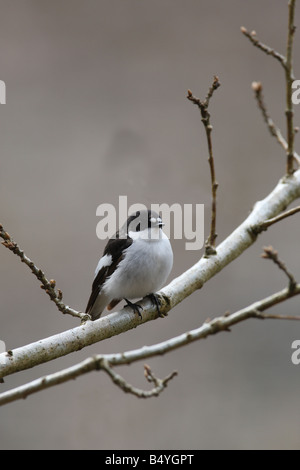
(159, 223)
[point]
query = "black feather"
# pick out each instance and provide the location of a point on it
(115, 248)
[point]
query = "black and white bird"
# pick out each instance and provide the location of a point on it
(136, 263)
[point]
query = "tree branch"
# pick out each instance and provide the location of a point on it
(289, 77)
(47, 286)
(203, 107)
(274, 130)
(267, 223)
(287, 63)
(268, 50)
(270, 253)
(286, 191)
(159, 384)
(264, 214)
(107, 361)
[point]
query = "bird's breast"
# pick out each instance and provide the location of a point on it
(144, 269)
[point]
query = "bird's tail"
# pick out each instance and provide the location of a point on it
(96, 308)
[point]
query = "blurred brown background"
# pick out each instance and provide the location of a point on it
(95, 109)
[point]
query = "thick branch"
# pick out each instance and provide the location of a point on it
(233, 246)
(107, 361)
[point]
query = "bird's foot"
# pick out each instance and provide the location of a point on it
(135, 307)
(156, 300)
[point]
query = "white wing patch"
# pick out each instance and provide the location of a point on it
(106, 260)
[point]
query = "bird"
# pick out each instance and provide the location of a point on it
(135, 263)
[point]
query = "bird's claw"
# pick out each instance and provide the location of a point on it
(156, 300)
(135, 307)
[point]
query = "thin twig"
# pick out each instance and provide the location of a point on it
(263, 47)
(270, 316)
(274, 130)
(48, 286)
(270, 253)
(287, 63)
(160, 384)
(203, 107)
(289, 77)
(267, 223)
(94, 363)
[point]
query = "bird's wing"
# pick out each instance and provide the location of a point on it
(115, 250)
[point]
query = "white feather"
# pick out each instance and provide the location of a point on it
(106, 260)
(145, 267)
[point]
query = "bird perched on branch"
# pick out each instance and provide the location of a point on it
(136, 263)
